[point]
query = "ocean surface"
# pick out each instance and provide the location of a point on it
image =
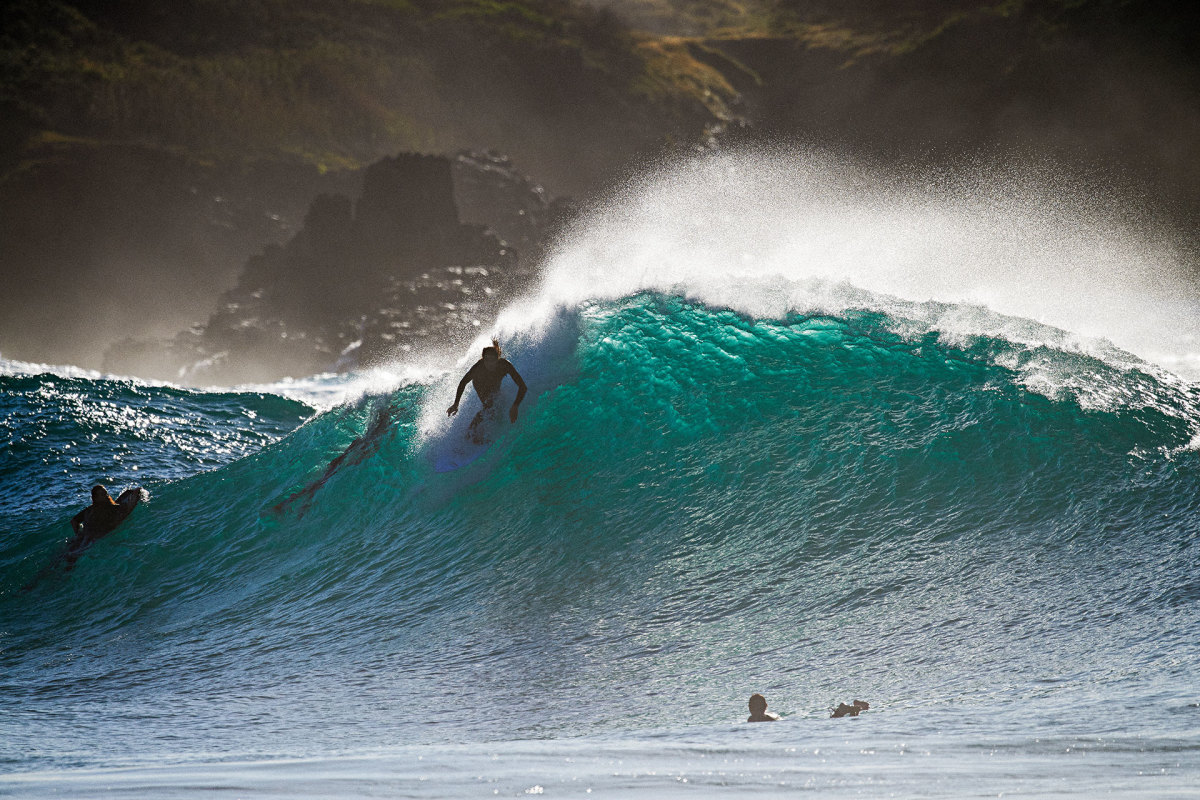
(733, 473)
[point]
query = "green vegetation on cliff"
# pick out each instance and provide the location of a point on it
(333, 82)
(339, 83)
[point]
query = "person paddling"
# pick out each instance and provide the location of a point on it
(486, 376)
(850, 710)
(99, 519)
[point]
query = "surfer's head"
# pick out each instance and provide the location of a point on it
(100, 496)
(758, 705)
(491, 355)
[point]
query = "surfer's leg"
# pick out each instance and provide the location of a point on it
(473, 432)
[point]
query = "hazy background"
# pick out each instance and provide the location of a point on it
(147, 149)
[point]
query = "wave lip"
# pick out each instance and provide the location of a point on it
(1033, 246)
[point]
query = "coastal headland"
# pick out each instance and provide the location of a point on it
(184, 182)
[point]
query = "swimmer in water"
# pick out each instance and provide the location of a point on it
(358, 450)
(486, 376)
(852, 710)
(758, 710)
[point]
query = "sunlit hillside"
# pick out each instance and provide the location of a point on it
(336, 83)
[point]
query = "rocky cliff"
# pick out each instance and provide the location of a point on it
(369, 279)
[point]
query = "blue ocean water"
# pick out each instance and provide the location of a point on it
(982, 524)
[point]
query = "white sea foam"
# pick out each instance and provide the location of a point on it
(322, 391)
(10, 367)
(331, 389)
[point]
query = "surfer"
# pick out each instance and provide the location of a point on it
(758, 710)
(96, 521)
(102, 516)
(852, 710)
(486, 376)
(99, 519)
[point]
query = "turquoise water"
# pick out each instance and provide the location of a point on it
(992, 541)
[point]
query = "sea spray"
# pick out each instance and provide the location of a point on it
(1033, 246)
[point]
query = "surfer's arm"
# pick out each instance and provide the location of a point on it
(462, 387)
(516, 376)
(77, 521)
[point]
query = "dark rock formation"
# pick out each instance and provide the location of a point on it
(491, 192)
(367, 281)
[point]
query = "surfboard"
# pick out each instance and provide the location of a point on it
(461, 445)
(128, 500)
(458, 454)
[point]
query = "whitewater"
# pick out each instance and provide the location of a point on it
(794, 426)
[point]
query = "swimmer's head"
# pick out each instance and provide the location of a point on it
(100, 495)
(758, 705)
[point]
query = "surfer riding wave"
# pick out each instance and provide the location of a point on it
(486, 376)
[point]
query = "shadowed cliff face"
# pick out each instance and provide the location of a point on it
(127, 130)
(132, 241)
(339, 83)
(1105, 88)
(366, 280)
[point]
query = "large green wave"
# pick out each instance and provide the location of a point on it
(693, 501)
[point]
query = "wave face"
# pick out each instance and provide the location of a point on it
(696, 504)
